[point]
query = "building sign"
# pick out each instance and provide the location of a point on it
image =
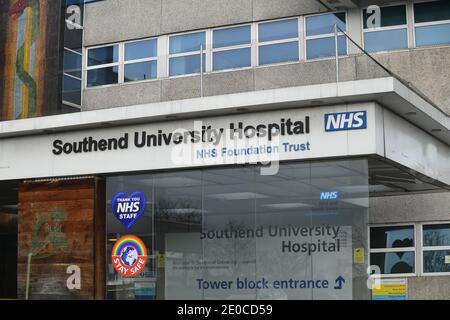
(345, 121)
(129, 256)
(263, 137)
(390, 289)
(128, 207)
(268, 262)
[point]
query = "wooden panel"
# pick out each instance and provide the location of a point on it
(56, 225)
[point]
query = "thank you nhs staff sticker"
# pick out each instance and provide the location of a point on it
(129, 256)
(128, 207)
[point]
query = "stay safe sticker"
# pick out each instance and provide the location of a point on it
(127, 208)
(129, 256)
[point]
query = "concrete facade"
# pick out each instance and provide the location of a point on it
(147, 18)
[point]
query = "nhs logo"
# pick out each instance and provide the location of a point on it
(329, 195)
(345, 121)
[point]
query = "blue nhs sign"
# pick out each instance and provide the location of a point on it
(345, 121)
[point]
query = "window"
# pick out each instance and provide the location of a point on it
(184, 53)
(436, 248)
(103, 66)
(432, 23)
(140, 60)
(392, 249)
(232, 48)
(278, 41)
(123, 62)
(73, 61)
(392, 34)
(320, 42)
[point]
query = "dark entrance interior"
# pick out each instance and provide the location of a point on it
(8, 240)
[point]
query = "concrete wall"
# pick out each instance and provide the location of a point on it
(410, 208)
(427, 69)
(145, 18)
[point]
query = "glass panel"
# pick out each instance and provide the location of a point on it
(72, 90)
(325, 47)
(435, 261)
(433, 35)
(232, 59)
(386, 40)
(141, 49)
(436, 235)
(275, 53)
(390, 16)
(104, 55)
(141, 286)
(232, 233)
(432, 11)
(391, 237)
(140, 71)
(394, 262)
(187, 42)
(103, 76)
(324, 24)
(231, 36)
(186, 65)
(73, 63)
(278, 30)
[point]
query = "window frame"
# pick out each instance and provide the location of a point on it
(230, 48)
(298, 39)
(433, 248)
(102, 66)
(425, 24)
(398, 27)
(324, 36)
(65, 74)
(148, 59)
(189, 53)
(120, 64)
(406, 249)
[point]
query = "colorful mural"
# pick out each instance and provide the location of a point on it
(24, 57)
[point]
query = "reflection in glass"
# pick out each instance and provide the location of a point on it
(281, 52)
(391, 237)
(102, 76)
(104, 55)
(278, 30)
(73, 63)
(433, 35)
(325, 47)
(140, 49)
(324, 23)
(140, 71)
(436, 235)
(431, 11)
(72, 90)
(232, 59)
(231, 36)
(434, 261)
(386, 40)
(186, 65)
(221, 225)
(394, 262)
(187, 42)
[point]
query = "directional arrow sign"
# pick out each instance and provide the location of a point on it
(338, 283)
